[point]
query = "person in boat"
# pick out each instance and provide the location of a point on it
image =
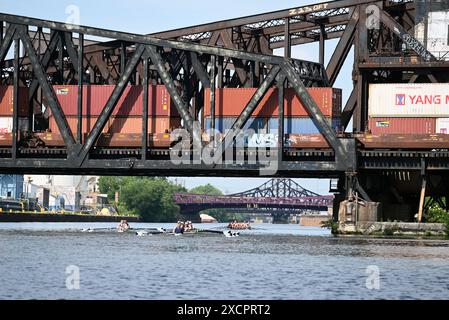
(123, 226)
(188, 226)
(179, 229)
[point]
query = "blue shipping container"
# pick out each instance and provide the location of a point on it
(223, 124)
(299, 125)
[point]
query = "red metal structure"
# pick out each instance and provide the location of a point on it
(282, 196)
(126, 134)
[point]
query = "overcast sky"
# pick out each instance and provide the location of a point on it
(148, 16)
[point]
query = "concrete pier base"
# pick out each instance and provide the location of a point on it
(393, 228)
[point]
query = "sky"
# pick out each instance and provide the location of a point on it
(148, 16)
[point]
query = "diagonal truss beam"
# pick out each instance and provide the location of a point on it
(200, 70)
(169, 84)
(54, 42)
(110, 105)
(348, 111)
(70, 47)
(7, 41)
(406, 37)
(343, 48)
(47, 90)
(314, 112)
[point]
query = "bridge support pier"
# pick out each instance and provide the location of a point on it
(389, 196)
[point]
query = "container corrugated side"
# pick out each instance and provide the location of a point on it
(230, 102)
(442, 126)
(402, 125)
(224, 124)
(301, 125)
(88, 124)
(7, 101)
(133, 125)
(409, 100)
(95, 98)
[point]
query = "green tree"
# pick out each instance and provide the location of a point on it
(111, 185)
(207, 189)
(151, 198)
(436, 214)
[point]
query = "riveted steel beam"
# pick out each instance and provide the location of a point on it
(7, 41)
(342, 50)
(47, 90)
(110, 105)
(46, 59)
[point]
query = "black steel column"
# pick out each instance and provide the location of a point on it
(281, 117)
(212, 96)
(122, 57)
(15, 123)
(287, 39)
(322, 43)
(80, 86)
(1, 33)
(252, 75)
(60, 58)
(145, 109)
(220, 72)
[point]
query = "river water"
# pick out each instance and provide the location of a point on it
(271, 262)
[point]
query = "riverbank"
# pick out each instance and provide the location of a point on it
(54, 217)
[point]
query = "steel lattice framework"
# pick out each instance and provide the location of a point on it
(278, 188)
(277, 194)
(235, 53)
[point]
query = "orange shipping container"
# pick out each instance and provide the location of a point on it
(129, 125)
(7, 101)
(123, 125)
(95, 98)
(88, 124)
(230, 102)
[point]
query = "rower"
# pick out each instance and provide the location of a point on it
(123, 226)
(179, 229)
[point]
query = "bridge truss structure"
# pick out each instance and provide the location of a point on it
(275, 197)
(233, 53)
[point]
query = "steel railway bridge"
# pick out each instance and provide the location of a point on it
(275, 197)
(232, 53)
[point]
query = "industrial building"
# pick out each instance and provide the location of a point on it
(11, 186)
(70, 193)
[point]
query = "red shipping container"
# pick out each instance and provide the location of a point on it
(402, 125)
(88, 124)
(95, 98)
(130, 125)
(230, 102)
(7, 101)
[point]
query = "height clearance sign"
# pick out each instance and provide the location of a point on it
(409, 100)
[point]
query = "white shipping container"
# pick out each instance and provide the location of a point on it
(409, 100)
(442, 126)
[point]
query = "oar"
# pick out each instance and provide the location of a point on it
(211, 231)
(98, 229)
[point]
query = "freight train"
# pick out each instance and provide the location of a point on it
(401, 116)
